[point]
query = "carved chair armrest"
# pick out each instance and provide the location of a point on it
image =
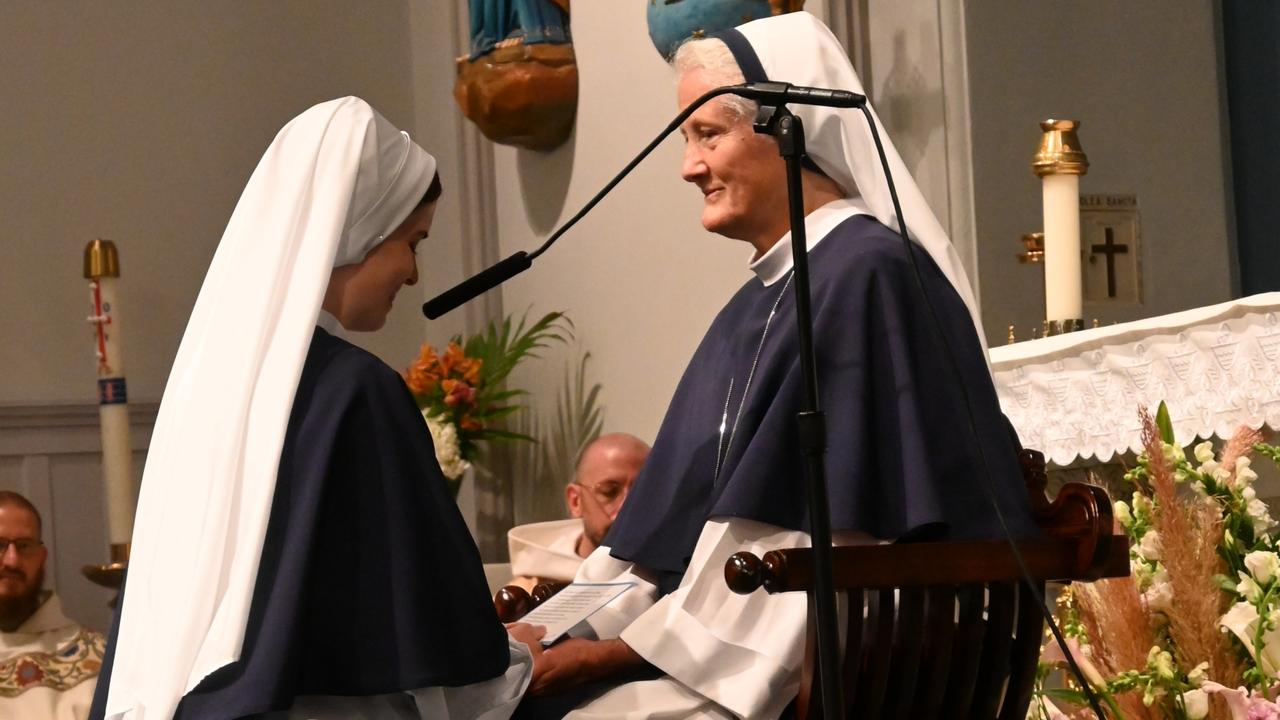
(925, 564)
(1078, 542)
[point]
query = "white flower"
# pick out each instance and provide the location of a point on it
(1263, 565)
(1159, 597)
(1149, 547)
(444, 435)
(1197, 704)
(1141, 505)
(1161, 662)
(1142, 572)
(1209, 467)
(1256, 509)
(1203, 452)
(1244, 474)
(1248, 589)
(1122, 514)
(1198, 674)
(1242, 620)
(1242, 703)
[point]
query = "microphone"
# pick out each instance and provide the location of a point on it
(779, 93)
(483, 281)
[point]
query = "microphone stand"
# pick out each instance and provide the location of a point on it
(788, 130)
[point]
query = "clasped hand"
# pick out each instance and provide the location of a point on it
(572, 662)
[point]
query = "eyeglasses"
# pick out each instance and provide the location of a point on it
(608, 494)
(25, 546)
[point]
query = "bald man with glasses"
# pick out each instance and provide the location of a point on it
(48, 663)
(552, 551)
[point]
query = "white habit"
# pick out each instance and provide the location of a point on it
(544, 552)
(49, 666)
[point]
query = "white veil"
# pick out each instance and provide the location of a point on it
(333, 183)
(797, 48)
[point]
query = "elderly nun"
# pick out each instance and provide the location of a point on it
(725, 471)
(296, 551)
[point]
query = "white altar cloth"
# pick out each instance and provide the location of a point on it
(1076, 396)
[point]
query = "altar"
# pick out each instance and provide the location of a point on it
(1076, 396)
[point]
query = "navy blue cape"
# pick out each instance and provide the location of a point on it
(370, 582)
(900, 460)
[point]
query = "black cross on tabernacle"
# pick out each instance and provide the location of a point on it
(1110, 248)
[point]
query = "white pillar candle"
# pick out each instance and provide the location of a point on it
(1062, 276)
(1059, 162)
(113, 409)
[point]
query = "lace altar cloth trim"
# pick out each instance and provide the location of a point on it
(70, 665)
(1076, 396)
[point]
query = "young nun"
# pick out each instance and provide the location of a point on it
(296, 552)
(725, 472)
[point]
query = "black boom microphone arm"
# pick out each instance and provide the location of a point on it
(509, 267)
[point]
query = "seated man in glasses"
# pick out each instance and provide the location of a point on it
(552, 551)
(48, 662)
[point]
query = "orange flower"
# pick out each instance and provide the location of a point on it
(469, 369)
(455, 363)
(469, 423)
(423, 374)
(457, 391)
(452, 354)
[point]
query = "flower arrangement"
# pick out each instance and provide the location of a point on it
(462, 392)
(1199, 616)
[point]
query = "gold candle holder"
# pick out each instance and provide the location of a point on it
(1060, 152)
(110, 575)
(1033, 249)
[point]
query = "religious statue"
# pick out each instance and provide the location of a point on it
(519, 84)
(671, 22)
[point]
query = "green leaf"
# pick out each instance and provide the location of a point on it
(1164, 424)
(1074, 697)
(575, 421)
(495, 434)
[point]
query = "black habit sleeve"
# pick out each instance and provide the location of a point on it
(900, 459)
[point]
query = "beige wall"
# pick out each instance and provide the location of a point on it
(141, 122)
(1143, 79)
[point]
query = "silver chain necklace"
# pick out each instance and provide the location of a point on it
(722, 447)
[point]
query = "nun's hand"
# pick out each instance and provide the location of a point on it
(530, 635)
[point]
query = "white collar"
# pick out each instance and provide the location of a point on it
(330, 324)
(46, 618)
(545, 549)
(775, 263)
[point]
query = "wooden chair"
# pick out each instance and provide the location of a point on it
(514, 602)
(947, 629)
